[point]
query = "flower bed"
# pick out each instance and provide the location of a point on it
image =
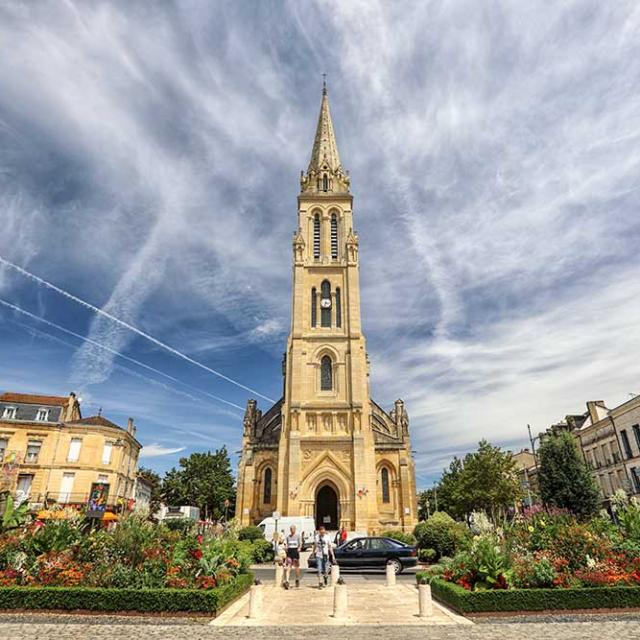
(545, 559)
(208, 601)
(493, 600)
(137, 554)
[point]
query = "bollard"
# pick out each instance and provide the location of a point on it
(424, 601)
(391, 575)
(340, 600)
(255, 600)
(335, 574)
(279, 575)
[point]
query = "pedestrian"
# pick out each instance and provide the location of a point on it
(323, 551)
(293, 544)
(341, 536)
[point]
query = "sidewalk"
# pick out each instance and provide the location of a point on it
(369, 604)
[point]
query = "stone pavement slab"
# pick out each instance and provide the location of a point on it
(368, 604)
(525, 631)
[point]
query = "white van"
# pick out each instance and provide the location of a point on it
(305, 526)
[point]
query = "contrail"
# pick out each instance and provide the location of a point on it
(122, 323)
(116, 353)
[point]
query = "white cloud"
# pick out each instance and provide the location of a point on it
(494, 157)
(154, 450)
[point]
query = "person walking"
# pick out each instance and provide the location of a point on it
(341, 536)
(293, 544)
(323, 551)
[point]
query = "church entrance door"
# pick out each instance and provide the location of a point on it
(327, 508)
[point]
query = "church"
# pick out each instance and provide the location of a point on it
(326, 449)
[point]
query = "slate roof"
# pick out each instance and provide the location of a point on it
(27, 398)
(96, 421)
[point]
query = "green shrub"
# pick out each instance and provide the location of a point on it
(399, 535)
(181, 525)
(427, 555)
(441, 533)
(251, 533)
(465, 601)
(143, 600)
(262, 551)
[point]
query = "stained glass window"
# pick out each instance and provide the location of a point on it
(266, 496)
(384, 476)
(338, 308)
(326, 374)
(314, 307)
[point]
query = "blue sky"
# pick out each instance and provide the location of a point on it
(149, 164)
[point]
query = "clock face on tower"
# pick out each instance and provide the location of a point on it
(325, 303)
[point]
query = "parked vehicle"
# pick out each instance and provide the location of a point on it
(173, 513)
(305, 526)
(373, 553)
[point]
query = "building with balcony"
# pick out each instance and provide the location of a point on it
(50, 454)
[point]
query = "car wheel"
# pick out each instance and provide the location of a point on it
(397, 565)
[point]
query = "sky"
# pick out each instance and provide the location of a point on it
(150, 155)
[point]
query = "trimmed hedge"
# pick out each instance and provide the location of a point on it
(144, 600)
(465, 601)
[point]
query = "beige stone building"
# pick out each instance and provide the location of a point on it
(597, 437)
(326, 449)
(626, 419)
(50, 454)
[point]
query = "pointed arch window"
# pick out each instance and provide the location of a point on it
(334, 236)
(338, 308)
(326, 374)
(384, 478)
(325, 182)
(316, 236)
(325, 311)
(266, 493)
(314, 307)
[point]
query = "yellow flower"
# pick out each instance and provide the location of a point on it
(530, 529)
(542, 523)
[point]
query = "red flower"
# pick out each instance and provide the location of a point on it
(197, 554)
(199, 538)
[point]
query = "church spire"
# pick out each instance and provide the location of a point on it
(325, 173)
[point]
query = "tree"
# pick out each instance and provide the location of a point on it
(204, 480)
(156, 488)
(565, 479)
(488, 481)
(448, 490)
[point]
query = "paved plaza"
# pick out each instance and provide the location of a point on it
(117, 628)
(368, 604)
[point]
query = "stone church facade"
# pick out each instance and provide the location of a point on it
(326, 449)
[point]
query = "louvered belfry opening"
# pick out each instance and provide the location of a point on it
(316, 236)
(334, 236)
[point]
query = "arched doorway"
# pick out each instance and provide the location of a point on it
(327, 507)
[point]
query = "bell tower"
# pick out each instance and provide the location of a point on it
(326, 450)
(326, 439)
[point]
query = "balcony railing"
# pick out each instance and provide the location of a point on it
(72, 499)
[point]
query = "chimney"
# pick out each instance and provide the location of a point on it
(131, 428)
(593, 412)
(72, 411)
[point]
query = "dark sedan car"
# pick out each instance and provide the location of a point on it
(373, 553)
